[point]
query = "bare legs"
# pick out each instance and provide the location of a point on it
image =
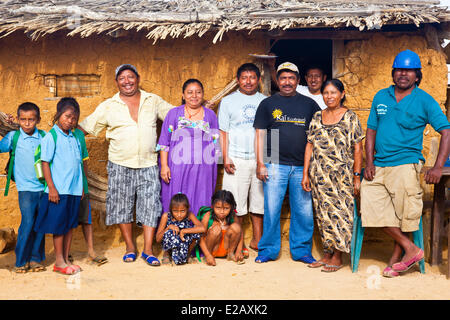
(127, 234)
(402, 243)
(257, 225)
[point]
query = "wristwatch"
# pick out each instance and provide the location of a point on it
(356, 174)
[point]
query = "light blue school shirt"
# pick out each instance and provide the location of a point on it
(24, 173)
(65, 161)
(236, 115)
(400, 126)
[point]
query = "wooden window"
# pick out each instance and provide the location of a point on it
(73, 85)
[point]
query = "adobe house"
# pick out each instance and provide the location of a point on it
(51, 49)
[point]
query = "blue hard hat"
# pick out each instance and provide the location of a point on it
(407, 60)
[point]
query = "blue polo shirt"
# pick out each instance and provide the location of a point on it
(65, 161)
(400, 126)
(24, 173)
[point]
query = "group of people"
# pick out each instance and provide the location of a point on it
(302, 139)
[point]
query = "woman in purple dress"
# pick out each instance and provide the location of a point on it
(189, 150)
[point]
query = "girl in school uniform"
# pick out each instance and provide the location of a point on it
(62, 168)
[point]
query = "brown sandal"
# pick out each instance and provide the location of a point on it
(36, 267)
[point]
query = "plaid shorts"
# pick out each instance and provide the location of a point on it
(127, 186)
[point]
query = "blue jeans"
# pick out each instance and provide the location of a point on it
(302, 222)
(30, 245)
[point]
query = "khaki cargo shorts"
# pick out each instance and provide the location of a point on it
(393, 198)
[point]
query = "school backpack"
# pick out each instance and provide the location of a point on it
(9, 169)
(79, 135)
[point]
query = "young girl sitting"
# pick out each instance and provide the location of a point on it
(223, 236)
(178, 230)
(62, 168)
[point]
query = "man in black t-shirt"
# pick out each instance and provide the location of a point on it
(283, 119)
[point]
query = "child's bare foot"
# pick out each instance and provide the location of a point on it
(166, 260)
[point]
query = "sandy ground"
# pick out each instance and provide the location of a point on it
(283, 279)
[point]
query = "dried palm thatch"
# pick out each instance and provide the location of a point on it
(185, 18)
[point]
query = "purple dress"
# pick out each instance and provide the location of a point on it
(193, 151)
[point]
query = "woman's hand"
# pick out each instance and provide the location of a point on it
(306, 185)
(53, 195)
(165, 173)
(9, 118)
(356, 185)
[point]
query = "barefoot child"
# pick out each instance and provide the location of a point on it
(30, 247)
(178, 230)
(63, 172)
(223, 236)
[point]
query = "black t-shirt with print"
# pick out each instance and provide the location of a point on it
(287, 122)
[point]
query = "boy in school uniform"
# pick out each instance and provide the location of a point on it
(30, 246)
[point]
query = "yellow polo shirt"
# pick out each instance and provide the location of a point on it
(131, 144)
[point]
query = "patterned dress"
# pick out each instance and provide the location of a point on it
(173, 242)
(331, 176)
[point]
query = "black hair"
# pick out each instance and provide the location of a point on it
(179, 199)
(335, 83)
(314, 66)
(288, 70)
(227, 197)
(188, 82)
(418, 75)
(65, 104)
(251, 67)
(29, 106)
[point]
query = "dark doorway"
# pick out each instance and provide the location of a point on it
(304, 53)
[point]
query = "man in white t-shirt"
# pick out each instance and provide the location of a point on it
(314, 78)
(237, 135)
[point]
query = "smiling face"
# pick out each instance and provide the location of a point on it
(28, 121)
(287, 82)
(221, 209)
(404, 79)
(128, 83)
(332, 96)
(193, 95)
(314, 79)
(248, 82)
(68, 120)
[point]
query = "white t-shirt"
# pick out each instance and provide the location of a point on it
(236, 115)
(316, 97)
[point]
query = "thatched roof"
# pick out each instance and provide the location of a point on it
(184, 18)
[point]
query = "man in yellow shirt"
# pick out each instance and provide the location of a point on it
(129, 118)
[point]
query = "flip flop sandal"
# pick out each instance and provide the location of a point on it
(69, 270)
(22, 269)
(405, 266)
(335, 268)
(316, 264)
(388, 272)
(151, 260)
(99, 260)
(246, 253)
(36, 267)
(131, 255)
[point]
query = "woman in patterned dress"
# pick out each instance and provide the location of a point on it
(332, 168)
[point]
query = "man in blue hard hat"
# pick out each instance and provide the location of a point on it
(391, 196)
